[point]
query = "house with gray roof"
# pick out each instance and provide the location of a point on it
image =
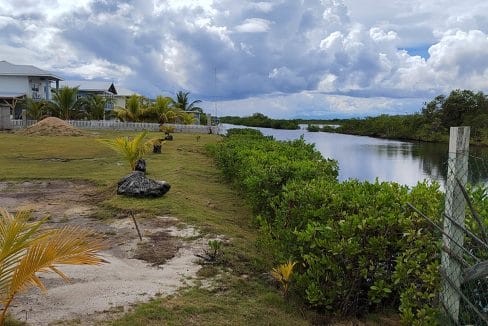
(88, 88)
(91, 87)
(20, 81)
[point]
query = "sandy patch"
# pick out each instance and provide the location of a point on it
(168, 257)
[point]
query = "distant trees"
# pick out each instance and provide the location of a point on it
(162, 110)
(68, 104)
(461, 107)
(260, 120)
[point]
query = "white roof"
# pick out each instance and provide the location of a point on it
(90, 85)
(9, 69)
(125, 92)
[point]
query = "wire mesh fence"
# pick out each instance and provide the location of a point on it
(463, 298)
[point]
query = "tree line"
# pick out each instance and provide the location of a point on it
(260, 120)
(432, 123)
(67, 104)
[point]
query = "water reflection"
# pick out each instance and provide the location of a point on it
(367, 158)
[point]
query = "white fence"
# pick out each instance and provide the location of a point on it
(117, 125)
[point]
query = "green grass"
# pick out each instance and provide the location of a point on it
(198, 196)
(232, 302)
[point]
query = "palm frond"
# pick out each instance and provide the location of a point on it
(25, 250)
(69, 245)
(130, 149)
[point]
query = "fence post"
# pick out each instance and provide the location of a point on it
(455, 209)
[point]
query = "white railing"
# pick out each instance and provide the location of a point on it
(117, 125)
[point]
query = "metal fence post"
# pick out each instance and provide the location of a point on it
(455, 209)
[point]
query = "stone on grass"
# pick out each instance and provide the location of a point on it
(137, 185)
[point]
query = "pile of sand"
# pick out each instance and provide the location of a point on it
(52, 127)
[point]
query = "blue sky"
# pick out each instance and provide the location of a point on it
(285, 58)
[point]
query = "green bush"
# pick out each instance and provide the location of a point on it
(244, 131)
(357, 246)
(313, 128)
(260, 166)
(348, 238)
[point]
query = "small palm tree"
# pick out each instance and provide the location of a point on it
(283, 274)
(95, 106)
(183, 102)
(65, 103)
(26, 250)
(130, 149)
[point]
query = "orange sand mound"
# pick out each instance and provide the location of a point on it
(51, 127)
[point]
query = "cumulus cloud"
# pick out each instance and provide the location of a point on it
(254, 25)
(248, 52)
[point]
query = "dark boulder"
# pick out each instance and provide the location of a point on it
(140, 165)
(137, 185)
(157, 148)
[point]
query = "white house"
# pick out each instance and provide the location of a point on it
(20, 81)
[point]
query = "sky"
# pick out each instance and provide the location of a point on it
(284, 58)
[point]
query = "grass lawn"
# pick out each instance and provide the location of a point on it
(198, 196)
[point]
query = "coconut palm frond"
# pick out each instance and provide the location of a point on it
(130, 149)
(16, 235)
(25, 250)
(69, 245)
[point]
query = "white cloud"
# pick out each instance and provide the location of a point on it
(262, 6)
(350, 49)
(254, 25)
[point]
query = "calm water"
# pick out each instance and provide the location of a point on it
(367, 158)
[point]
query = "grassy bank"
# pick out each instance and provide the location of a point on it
(241, 293)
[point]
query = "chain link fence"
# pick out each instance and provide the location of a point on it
(463, 299)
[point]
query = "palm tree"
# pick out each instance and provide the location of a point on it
(65, 102)
(95, 106)
(134, 109)
(26, 250)
(159, 111)
(188, 118)
(35, 109)
(182, 102)
(129, 149)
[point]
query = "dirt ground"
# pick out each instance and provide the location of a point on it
(163, 262)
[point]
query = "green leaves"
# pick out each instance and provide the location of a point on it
(130, 149)
(65, 103)
(357, 247)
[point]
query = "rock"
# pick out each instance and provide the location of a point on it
(157, 148)
(137, 185)
(140, 165)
